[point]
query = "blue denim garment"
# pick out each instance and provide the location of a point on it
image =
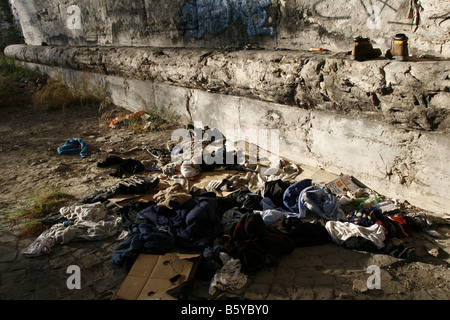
(291, 194)
(144, 238)
(74, 146)
(195, 223)
(320, 201)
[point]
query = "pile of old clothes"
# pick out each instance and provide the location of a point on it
(250, 244)
(91, 218)
(193, 224)
(311, 214)
(259, 238)
(245, 222)
(208, 150)
(374, 229)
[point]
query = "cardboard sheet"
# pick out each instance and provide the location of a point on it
(158, 277)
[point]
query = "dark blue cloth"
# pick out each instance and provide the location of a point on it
(362, 217)
(146, 238)
(320, 201)
(74, 146)
(195, 223)
(291, 194)
(157, 215)
(210, 263)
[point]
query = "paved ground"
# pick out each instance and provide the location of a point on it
(324, 272)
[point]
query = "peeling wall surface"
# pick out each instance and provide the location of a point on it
(245, 64)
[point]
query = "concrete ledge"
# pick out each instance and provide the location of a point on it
(409, 95)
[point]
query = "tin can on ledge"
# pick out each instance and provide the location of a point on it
(399, 48)
(363, 49)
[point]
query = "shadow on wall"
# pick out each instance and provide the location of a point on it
(34, 34)
(9, 32)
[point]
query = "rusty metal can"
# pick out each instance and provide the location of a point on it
(399, 47)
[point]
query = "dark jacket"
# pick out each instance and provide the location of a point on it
(195, 224)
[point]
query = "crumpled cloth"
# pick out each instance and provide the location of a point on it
(320, 201)
(189, 170)
(256, 178)
(342, 231)
(229, 277)
(85, 212)
(144, 238)
(172, 197)
(74, 146)
(292, 193)
(270, 216)
(91, 223)
(230, 217)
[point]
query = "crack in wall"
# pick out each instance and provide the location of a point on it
(189, 97)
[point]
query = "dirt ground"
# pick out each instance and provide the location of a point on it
(30, 165)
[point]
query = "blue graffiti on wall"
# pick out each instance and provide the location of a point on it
(215, 16)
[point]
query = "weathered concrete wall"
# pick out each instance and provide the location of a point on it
(288, 24)
(409, 95)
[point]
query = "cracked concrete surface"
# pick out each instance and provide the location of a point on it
(397, 92)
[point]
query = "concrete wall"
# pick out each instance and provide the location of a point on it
(287, 24)
(244, 64)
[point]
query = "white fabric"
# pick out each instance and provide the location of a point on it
(342, 231)
(85, 212)
(189, 170)
(258, 175)
(42, 245)
(91, 223)
(229, 277)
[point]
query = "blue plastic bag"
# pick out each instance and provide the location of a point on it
(74, 146)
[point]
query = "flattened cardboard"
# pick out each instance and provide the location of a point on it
(342, 185)
(158, 277)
